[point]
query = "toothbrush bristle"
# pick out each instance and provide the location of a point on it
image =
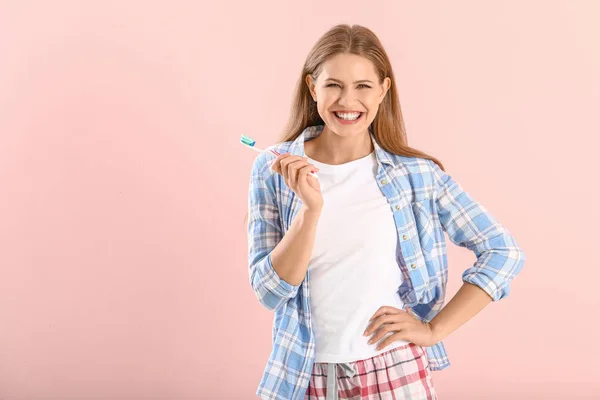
(247, 141)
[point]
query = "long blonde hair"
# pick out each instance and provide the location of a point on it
(388, 125)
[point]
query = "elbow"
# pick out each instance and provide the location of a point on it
(495, 274)
(494, 288)
(271, 291)
(268, 302)
(518, 260)
(267, 298)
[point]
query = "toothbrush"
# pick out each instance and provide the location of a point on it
(248, 142)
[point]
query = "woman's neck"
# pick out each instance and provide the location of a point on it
(331, 148)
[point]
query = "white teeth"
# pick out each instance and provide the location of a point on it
(348, 116)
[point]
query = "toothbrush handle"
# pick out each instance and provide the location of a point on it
(275, 153)
(256, 149)
(269, 151)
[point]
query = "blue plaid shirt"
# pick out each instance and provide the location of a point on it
(425, 202)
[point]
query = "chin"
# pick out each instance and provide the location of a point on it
(346, 131)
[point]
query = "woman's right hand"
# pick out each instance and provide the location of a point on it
(296, 174)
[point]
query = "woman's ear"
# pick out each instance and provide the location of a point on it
(385, 86)
(311, 86)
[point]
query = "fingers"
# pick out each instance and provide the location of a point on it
(289, 166)
(385, 310)
(292, 171)
(303, 172)
(283, 165)
(385, 319)
(275, 164)
(402, 335)
(397, 327)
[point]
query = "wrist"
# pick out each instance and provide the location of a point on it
(313, 211)
(436, 331)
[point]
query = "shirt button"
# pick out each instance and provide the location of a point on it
(413, 266)
(383, 181)
(404, 237)
(397, 207)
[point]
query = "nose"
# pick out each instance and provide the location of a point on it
(347, 99)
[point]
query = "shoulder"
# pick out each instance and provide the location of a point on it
(417, 167)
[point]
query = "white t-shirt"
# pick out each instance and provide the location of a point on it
(353, 267)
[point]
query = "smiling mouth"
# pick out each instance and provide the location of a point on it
(348, 119)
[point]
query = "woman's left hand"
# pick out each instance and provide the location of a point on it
(407, 327)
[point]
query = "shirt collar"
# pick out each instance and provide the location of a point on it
(297, 146)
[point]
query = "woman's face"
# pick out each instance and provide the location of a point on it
(348, 84)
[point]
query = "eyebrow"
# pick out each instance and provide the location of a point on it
(337, 80)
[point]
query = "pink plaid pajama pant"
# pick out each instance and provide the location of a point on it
(399, 373)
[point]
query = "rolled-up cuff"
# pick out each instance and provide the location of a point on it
(275, 284)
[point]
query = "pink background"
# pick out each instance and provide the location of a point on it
(123, 269)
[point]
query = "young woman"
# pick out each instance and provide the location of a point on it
(353, 262)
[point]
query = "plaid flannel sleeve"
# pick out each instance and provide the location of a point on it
(264, 233)
(469, 224)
